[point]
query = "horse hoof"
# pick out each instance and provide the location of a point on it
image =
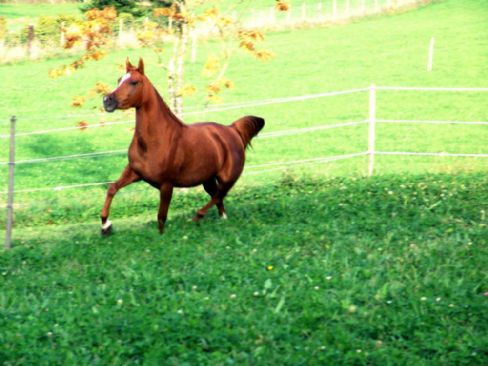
(106, 228)
(197, 218)
(224, 216)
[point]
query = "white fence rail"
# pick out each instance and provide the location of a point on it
(372, 152)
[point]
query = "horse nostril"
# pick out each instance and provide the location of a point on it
(110, 103)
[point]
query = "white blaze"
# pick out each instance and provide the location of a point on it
(124, 78)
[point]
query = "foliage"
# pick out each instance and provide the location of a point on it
(49, 28)
(93, 33)
(3, 28)
(181, 19)
(135, 8)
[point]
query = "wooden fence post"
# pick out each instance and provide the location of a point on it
(10, 199)
(62, 38)
(371, 129)
(121, 30)
(30, 39)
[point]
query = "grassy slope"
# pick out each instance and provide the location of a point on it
(381, 271)
(386, 50)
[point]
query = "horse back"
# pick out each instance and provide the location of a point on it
(212, 149)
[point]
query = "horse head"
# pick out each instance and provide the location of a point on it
(129, 93)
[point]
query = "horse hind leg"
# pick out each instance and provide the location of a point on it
(211, 188)
(216, 199)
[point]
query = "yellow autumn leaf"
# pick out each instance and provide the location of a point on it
(188, 90)
(282, 5)
(82, 125)
(229, 84)
(263, 55)
(211, 12)
(102, 88)
(215, 99)
(213, 88)
(162, 12)
(211, 66)
(77, 101)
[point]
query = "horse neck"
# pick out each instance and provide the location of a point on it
(154, 118)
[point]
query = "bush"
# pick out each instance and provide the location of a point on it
(127, 20)
(48, 28)
(127, 6)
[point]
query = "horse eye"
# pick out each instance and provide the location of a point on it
(133, 82)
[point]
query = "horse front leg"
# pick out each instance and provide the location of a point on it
(127, 177)
(166, 192)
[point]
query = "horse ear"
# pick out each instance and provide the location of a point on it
(140, 68)
(128, 65)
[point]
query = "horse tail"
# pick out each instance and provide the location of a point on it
(248, 127)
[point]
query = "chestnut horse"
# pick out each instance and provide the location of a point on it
(167, 153)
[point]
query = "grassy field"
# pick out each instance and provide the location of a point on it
(388, 270)
(345, 272)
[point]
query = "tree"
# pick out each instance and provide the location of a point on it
(176, 22)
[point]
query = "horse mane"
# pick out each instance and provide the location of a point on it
(166, 109)
(162, 104)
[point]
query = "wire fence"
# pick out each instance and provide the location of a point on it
(371, 152)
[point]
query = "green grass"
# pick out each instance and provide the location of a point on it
(381, 271)
(22, 10)
(20, 15)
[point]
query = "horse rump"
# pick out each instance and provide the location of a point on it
(248, 127)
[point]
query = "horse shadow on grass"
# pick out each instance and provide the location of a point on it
(406, 207)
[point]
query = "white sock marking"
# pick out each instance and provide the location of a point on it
(224, 216)
(107, 225)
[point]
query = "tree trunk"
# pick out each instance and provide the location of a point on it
(176, 66)
(180, 68)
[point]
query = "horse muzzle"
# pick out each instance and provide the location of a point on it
(110, 103)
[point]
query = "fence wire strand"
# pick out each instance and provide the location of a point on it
(254, 103)
(291, 132)
(273, 166)
(282, 165)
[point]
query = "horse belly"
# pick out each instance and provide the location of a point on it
(196, 173)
